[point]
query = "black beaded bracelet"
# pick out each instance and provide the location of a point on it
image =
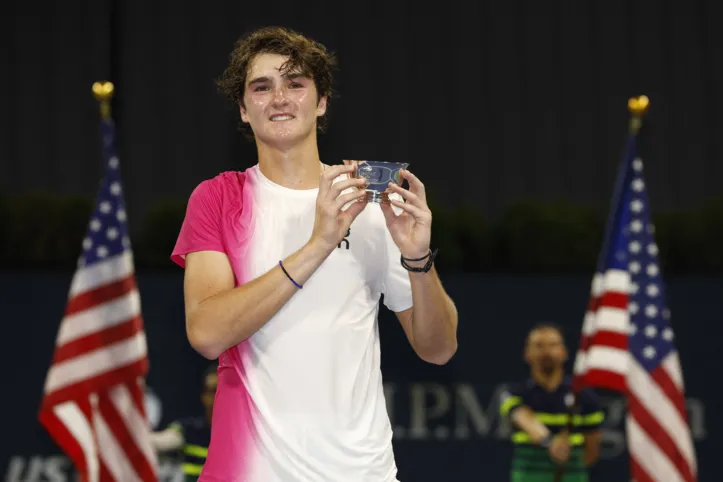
(422, 269)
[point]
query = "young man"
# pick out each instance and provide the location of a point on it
(283, 276)
(191, 435)
(539, 411)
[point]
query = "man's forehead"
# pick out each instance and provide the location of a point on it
(268, 65)
(541, 333)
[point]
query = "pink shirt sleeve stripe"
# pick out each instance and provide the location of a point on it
(219, 218)
(201, 229)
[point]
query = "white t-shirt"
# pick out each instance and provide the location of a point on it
(315, 407)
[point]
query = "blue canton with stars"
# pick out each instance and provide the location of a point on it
(107, 234)
(631, 235)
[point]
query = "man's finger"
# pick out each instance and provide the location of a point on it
(338, 187)
(389, 214)
(341, 201)
(328, 176)
(352, 212)
(415, 185)
(408, 196)
(419, 214)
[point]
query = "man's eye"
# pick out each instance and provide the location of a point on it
(260, 88)
(296, 85)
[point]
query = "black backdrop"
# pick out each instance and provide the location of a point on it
(513, 98)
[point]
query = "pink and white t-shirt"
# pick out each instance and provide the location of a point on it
(301, 399)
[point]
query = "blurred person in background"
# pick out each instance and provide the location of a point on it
(290, 310)
(191, 436)
(538, 409)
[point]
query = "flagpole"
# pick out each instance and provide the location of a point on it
(637, 106)
(103, 93)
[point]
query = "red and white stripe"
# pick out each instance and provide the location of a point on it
(93, 399)
(659, 440)
(603, 357)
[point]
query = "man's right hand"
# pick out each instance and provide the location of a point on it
(332, 223)
(559, 448)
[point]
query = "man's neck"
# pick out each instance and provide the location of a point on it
(294, 167)
(549, 381)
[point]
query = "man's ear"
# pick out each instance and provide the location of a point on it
(321, 107)
(244, 114)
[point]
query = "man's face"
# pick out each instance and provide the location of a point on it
(545, 350)
(209, 391)
(281, 108)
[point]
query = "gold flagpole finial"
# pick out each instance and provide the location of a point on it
(103, 93)
(637, 106)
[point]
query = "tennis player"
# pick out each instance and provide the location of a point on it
(284, 273)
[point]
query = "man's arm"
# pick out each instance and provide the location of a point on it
(431, 323)
(592, 447)
(220, 315)
(168, 439)
(557, 446)
(524, 419)
(591, 420)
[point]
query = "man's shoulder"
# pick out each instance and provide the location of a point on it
(513, 389)
(520, 386)
(224, 180)
(220, 189)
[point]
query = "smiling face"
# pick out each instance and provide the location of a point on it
(281, 107)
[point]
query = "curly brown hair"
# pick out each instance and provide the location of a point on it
(306, 56)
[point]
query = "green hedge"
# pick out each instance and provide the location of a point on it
(42, 231)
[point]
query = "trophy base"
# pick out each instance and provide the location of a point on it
(375, 197)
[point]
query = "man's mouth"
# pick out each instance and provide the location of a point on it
(281, 117)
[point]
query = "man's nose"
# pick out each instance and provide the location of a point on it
(280, 96)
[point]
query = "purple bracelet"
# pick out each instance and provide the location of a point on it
(289, 276)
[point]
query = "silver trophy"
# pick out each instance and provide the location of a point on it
(379, 174)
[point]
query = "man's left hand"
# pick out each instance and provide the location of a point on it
(411, 230)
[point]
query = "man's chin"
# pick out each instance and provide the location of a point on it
(282, 136)
(549, 368)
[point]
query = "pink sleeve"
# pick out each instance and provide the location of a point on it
(201, 228)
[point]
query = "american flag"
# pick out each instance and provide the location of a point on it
(93, 401)
(627, 343)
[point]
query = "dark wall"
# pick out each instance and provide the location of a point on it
(513, 99)
(445, 418)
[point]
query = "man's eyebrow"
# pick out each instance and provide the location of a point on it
(259, 80)
(289, 76)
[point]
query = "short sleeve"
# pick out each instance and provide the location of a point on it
(201, 228)
(510, 399)
(397, 287)
(591, 411)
